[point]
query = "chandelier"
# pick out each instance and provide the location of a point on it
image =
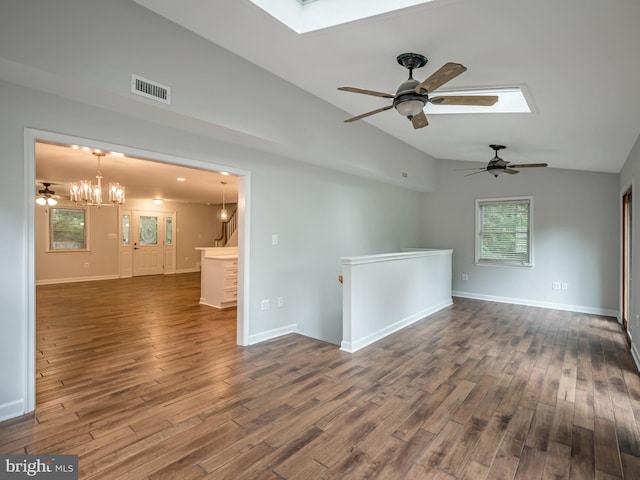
(84, 192)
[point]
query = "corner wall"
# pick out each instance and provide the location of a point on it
(576, 236)
(628, 178)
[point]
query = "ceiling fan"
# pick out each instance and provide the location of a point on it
(46, 196)
(411, 96)
(496, 165)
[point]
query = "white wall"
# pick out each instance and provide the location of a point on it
(196, 226)
(72, 48)
(387, 292)
(320, 215)
(73, 61)
(575, 236)
(628, 175)
(65, 67)
(99, 262)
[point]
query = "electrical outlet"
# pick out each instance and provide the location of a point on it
(274, 239)
(555, 285)
(564, 286)
(465, 276)
(280, 302)
(265, 304)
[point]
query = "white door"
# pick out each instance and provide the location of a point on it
(147, 231)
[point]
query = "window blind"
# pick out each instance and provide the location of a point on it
(504, 231)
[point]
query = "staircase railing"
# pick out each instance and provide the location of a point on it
(228, 229)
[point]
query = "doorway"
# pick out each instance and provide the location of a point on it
(627, 277)
(32, 136)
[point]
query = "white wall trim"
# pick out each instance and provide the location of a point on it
(625, 188)
(271, 334)
(534, 303)
(12, 409)
(29, 225)
(187, 270)
(30, 137)
(54, 281)
(373, 337)
(636, 356)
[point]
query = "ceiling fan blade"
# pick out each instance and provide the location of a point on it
(373, 112)
(366, 92)
(419, 120)
(471, 100)
(447, 72)
(474, 173)
(529, 165)
(511, 171)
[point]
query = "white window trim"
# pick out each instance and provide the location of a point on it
(86, 229)
(477, 242)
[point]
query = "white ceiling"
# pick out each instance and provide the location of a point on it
(143, 179)
(577, 59)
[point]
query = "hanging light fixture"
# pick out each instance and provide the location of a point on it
(85, 193)
(223, 212)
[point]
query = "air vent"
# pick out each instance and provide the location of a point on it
(150, 89)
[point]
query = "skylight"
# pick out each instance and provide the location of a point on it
(304, 16)
(510, 100)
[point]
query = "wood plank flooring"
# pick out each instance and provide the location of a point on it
(143, 383)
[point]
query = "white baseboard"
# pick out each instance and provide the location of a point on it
(76, 279)
(275, 333)
(534, 303)
(12, 409)
(352, 347)
(188, 270)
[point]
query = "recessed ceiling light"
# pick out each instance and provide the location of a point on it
(158, 201)
(180, 179)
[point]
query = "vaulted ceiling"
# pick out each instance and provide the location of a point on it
(574, 58)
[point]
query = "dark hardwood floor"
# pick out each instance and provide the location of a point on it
(143, 383)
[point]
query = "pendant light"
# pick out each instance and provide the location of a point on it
(223, 212)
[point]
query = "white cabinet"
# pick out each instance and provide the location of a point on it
(219, 281)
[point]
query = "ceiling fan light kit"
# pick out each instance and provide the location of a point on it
(411, 96)
(46, 196)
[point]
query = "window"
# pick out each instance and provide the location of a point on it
(67, 229)
(503, 228)
(168, 231)
(126, 232)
